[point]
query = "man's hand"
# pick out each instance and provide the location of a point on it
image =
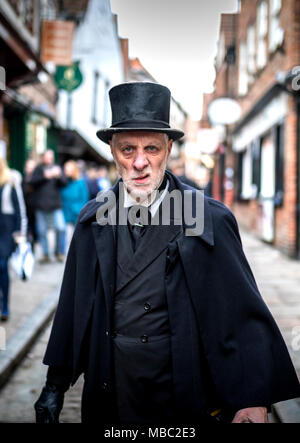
(251, 415)
(49, 405)
(56, 171)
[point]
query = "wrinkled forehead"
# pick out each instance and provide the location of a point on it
(135, 137)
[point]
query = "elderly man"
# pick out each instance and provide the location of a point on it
(165, 321)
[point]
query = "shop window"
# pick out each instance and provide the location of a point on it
(48, 10)
(276, 33)
(279, 168)
(106, 108)
(95, 97)
(246, 193)
(245, 175)
(256, 166)
(221, 51)
(261, 33)
(25, 10)
(251, 52)
(243, 70)
(268, 161)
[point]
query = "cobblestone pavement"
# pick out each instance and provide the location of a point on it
(23, 389)
(278, 279)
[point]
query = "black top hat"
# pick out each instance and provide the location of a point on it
(139, 106)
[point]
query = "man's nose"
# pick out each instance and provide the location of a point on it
(140, 161)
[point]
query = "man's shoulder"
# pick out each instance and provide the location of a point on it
(217, 207)
(220, 213)
(88, 211)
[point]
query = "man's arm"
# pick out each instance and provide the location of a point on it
(38, 177)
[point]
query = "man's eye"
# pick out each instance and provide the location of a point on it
(152, 148)
(127, 150)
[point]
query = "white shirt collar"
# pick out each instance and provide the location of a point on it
(150, 201)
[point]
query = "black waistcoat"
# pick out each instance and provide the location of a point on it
(140, 305)
(142, 347)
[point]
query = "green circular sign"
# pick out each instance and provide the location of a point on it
(68, 77)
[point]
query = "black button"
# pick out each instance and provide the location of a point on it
(144, 338)
(105, 386)
(147, 307)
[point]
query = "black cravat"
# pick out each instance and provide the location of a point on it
(143, 214)
(138, 228)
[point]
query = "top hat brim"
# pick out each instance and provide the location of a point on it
(106, 134)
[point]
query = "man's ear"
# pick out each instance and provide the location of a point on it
(170, 145)
(111, 148)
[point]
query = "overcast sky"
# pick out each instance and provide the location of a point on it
(176, 41)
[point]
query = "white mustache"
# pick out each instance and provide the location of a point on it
(140, 176)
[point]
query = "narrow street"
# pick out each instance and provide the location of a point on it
(25, 385)
(278, 279)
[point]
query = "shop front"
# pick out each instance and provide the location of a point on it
(263, 198)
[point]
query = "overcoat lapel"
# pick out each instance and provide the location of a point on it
(153, 243)
(125, 249)
(106, 252)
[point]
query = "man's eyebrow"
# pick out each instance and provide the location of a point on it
(124, 143)
(151, 143)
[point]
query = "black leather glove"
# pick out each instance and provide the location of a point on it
(49, 405)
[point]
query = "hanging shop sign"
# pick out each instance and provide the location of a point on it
(68, 78)
(57, 41)
(224, 111)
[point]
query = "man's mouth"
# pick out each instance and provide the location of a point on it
(141, 180)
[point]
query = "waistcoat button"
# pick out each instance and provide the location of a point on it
(144, 338)
(147, 307)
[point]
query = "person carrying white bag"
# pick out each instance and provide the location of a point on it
(10, 224)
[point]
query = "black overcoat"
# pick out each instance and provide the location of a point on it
(215, 311)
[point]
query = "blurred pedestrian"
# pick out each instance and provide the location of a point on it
(28, 192)
(91, 178)
(75, 195)
(103, 180)
(10, 225)
(176, 166)
(47, 180)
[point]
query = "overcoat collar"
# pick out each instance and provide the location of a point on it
(89, 214)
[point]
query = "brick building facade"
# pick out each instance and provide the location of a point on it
(262, 148)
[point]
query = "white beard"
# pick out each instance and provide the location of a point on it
(140, 195)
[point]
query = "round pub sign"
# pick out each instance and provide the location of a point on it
(68, 77)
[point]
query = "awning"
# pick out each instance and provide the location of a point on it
(72, 144)
(260, 122)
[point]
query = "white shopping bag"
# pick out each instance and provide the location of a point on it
(22, 260)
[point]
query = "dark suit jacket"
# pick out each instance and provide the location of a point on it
(215, 310)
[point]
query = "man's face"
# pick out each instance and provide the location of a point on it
(141, 159)
(48, 158)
